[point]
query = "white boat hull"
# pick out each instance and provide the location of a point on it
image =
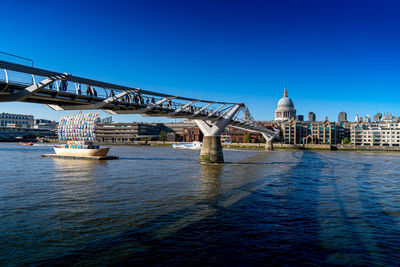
(81, 152)
(194, 145)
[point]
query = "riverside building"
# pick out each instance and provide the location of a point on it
(126, 132)
(297, 131)
(16, 120)
(45, 124)
(375, 134)
(319, 132)
(343, 130)
(136, 131)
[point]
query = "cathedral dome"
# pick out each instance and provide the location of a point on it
(285, 102)
(285, 110)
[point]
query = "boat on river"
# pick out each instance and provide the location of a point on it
(187, 145)
(26, 143)
(81, 149)
(79, 132)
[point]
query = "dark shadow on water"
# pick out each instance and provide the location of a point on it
(251, 231)
(351, 244)
(25, 149)
(157, 159)
(276, 225)
(221, 164)
(382, 222)
(257, 163)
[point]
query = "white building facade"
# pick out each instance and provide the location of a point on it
(376, 134)
(16, 120)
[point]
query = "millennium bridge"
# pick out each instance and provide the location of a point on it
(64, 91)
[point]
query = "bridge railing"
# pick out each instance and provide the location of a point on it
(25, 80)
(26, 76)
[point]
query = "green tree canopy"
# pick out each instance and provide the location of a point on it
(247, 138)
(346, 141)
(162, 136)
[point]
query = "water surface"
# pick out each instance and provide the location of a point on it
(157, 205)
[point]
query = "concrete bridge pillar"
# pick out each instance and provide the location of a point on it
(269, 140)
(269, 145)
(211, 150)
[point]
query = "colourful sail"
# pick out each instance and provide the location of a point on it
(78, 127)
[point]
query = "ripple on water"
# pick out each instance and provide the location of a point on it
(156, 205)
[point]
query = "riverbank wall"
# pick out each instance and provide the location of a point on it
(338, 147)
(277, 146)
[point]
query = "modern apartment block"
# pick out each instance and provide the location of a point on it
(127, 132)
(343, 130)
(376, 134)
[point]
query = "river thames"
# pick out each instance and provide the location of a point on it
(159, 206)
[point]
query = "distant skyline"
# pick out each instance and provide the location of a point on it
(333, 55)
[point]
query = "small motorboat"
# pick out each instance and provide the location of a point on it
(192, 145)
(26, 143)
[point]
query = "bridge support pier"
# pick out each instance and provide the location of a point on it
(269, 141)
(211, 150)
(269, 145)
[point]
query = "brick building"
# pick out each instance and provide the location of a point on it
(229, 135)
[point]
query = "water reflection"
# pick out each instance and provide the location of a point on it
(75, 185)
(76, 169)
(210, 180)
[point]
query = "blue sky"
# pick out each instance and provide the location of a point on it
(333, 55)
